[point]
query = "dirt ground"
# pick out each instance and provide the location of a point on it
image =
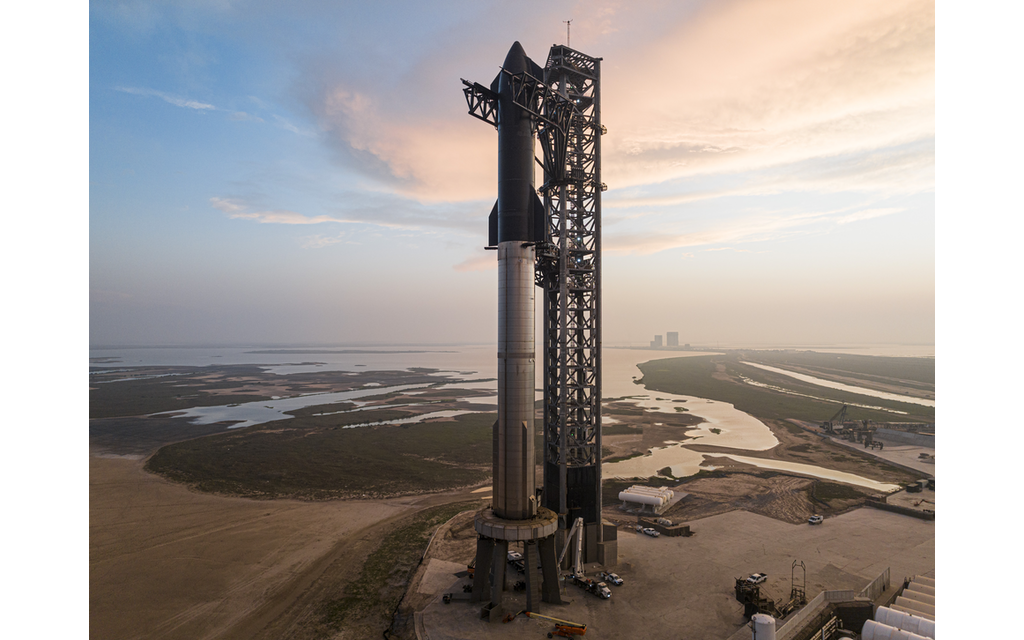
(454, 542)
(166, 562)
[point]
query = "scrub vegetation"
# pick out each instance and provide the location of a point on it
(316, 458)
(720, 378)
(119, 392)
(371, 600)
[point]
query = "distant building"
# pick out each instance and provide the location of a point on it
(656, 343)
(673, 338)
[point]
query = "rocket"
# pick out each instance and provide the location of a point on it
(515, 224)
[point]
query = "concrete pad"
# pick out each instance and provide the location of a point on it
(684, 587)
(439, 574)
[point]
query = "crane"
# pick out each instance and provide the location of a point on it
(577, 530)
(836, 420)
(563, 628)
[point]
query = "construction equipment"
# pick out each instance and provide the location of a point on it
(577, 530)
(836, 420)
(563, 628)
(590, 585)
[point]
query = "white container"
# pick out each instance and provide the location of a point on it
(922, 587)
(905, 621)
(914, 594)
(877, 631)
(926, 610)
(764, 626)
(642, 498)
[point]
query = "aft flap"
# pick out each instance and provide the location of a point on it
(538, 232)
(492, 226)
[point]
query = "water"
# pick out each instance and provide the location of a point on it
(844, 387)
(475, 367)
(260, 411)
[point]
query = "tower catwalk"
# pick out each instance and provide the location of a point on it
(556, 245)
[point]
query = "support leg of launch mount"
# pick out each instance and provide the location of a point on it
(495, 533)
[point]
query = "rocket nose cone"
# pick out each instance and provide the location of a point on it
(515, 61)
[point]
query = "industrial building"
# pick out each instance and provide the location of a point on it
(672, 337)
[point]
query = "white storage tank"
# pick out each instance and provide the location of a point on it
(905, 621)
(654, 496)
(913, 594)
(921, 588)
(764, 626)
(927, 610)
(877, 631)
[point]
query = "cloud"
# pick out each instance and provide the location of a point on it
(237, 211)
(430, 159)
(382, 210)
(242, 116)
(288, 126)
(712, 89)
(758, 227)
(746, 85)
(868, 214)
(732, 249)
(319, 241)
(483, 261)
(176, 101)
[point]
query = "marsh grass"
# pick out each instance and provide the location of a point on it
(696, 377)
(314, 458)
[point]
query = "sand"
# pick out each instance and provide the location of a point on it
(166, 562)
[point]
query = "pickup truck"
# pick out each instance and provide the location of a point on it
(610, 577)
(815, 519)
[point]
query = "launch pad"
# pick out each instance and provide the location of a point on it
(554, 244)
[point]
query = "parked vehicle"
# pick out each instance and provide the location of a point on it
(651, 532)
(815, 519)
(610, 577)
(514, 555)
(599, 589)
(757, 578)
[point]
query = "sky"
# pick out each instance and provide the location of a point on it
(307, 173)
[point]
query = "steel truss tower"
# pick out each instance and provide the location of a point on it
(565, 107)
(569, 270)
